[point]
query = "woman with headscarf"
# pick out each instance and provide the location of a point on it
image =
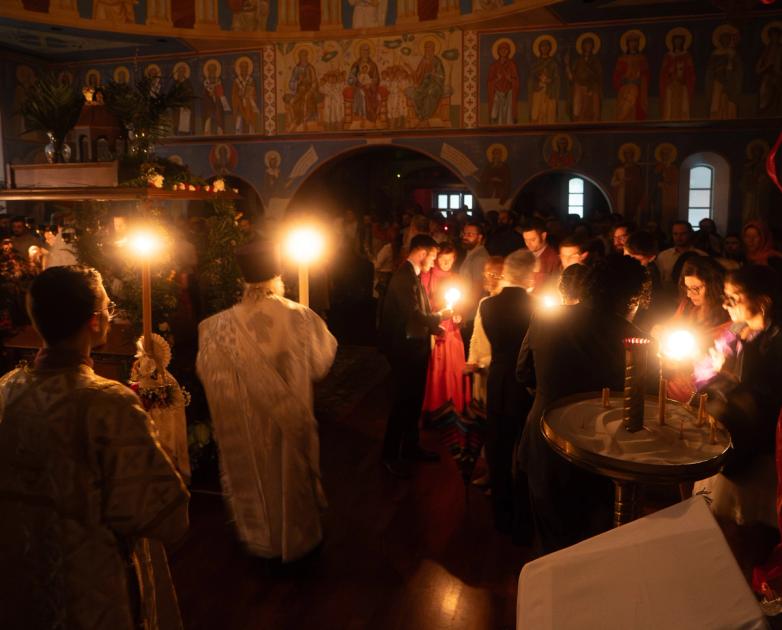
(758, 243)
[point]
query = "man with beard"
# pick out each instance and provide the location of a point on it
(471, 272)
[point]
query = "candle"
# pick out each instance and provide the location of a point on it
(702, 409)
(606, 397)
(452, 296)
(661, 402)
(712, 431)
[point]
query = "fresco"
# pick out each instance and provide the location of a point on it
(655, 71)
(409, 82)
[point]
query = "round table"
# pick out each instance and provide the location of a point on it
(588, 434)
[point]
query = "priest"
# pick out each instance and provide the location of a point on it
(257, 362)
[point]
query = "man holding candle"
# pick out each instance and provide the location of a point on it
(406, 326)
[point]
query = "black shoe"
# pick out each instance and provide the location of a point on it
(418, 454)
(397, 468)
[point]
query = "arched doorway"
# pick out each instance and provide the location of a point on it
(560, 193)
(380, 181)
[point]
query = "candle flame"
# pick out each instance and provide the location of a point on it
(452, 296)
(679, 345)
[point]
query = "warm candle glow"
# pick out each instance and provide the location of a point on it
(144, 243)
(549, 301)
(679, 345)
(452, 296)
(304, 244)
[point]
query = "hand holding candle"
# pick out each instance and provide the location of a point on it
(452, 296)
(675, 346)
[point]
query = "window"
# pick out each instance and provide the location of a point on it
(575, 197)
(701, 194)
(452, 201)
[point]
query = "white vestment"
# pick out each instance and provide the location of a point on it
(257, 362)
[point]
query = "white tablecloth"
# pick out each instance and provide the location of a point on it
(671, 570)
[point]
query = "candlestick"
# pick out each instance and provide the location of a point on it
(712, 430)
(662, 397)
(636, 353)
(606, 397)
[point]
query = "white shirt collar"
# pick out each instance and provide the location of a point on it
(416, 268)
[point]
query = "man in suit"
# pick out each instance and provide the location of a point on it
(406, 325)
(575, 349)
(505, 318)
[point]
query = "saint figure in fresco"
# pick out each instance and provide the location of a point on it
(249, 15)
(503, 84)
(428, 84)
(724, 74)
(494, 179)
(543, 82)
(631, 78)
(25, 78)
(562, 154)
(364, 81)
(586, 79)
(769, 68)
(243, 97)
(667, 190)
(214, 100)
(303, 96)
(627, 182)
(182, 116)
(755, 183)
(677, 76)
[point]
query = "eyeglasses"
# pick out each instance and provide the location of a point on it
(492, 275)
(695, 290)
(729, 300)
(111, 310)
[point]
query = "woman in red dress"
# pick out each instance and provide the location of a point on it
(445, 378)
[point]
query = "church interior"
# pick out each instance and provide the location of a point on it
(226, 119)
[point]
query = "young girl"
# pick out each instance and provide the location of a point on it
(445, 380)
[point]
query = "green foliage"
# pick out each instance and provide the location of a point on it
(50, 106)
(142, 108)
(219, 276)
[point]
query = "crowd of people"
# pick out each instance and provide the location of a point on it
(489, 315)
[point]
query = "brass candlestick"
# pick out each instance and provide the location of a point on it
(606, 397)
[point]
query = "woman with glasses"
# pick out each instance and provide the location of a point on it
(743, 380)
(700, 310)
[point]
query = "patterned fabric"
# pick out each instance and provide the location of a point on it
(257, 362)
(82, 480)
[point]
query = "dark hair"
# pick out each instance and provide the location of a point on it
(19, 219)
(676, 272)
(62, 299)
(446, 248)
(711, 273)
(682, 222)
(574, 240)
(534, 224)
(422, 241)
(616, 284)
(572, 282)
(761, 288)
(627, 225)
(642, 244)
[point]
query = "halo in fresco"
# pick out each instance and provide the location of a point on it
(176, 159)
(239, 60)
(357, 46)
(299, 47)
(757, 143)
(153, 70)
(725, 28)
(422, 41)
(673, 152)
(267, 157)
(767, 28)
(634, 32)
(544, 38)
(216, 64)
(679, 30)
(631, 146)
(177, 66)
(92, 73)
(555, 139)
(121, 72)
(502, 148)
(587, 35)
(495, 47)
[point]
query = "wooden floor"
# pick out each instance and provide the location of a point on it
(398, 554)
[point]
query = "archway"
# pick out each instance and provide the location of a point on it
(559, 193)
(379, 181)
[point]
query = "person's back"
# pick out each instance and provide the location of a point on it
(82, 479)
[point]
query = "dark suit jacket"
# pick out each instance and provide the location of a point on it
(505, 319)
(573, 350)
(406, 321)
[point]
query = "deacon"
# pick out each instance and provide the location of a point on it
(257, 362)
(87, 494)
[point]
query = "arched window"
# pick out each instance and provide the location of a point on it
(704, 190)
(575, 196)
(700, 201)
